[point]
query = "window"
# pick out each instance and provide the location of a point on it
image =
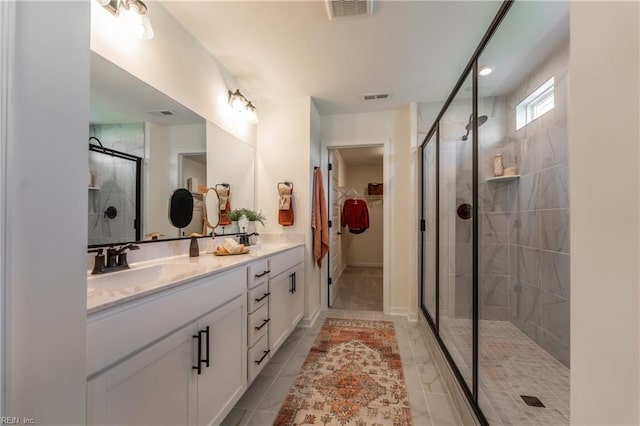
(535, 105)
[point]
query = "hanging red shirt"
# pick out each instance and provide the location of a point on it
(355, 214)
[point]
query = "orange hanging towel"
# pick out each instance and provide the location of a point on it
(224, 192)
(319, 223)
(285, 203)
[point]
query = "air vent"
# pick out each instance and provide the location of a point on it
(375, 96)
(161, 113)
(344, 8)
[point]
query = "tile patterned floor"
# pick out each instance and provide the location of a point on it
(429, 399)
(511, 365)
(360, 289)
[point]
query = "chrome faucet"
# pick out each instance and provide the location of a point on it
(116, 258)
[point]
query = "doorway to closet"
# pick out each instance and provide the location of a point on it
(357, 222)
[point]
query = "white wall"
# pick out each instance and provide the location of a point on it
(46, 216)
(287, 150)
(604, 113)
(376, 127)
(174, 63)
(365, 249)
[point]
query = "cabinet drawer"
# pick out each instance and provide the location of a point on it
(258, 296)
(283, 261)
(258, 272)
(258, 324)
(259, 356)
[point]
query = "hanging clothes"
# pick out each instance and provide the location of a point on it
(319, 223)
(285, 203)
(355, 215)
(224, 192)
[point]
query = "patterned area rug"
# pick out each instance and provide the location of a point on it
(352, 376)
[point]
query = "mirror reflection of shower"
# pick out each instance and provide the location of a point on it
(481, 120)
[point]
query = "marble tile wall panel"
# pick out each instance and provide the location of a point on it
(554, 316)
(494, 228)
(524, 265)
(555, 230)
(554, 188)
(524, 303)
(555, 270)
(525, 228)
(494, 259)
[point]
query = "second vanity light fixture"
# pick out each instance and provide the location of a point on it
(130, 16)
(240, 104)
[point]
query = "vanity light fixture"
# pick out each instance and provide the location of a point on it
(240, 104)
(130, 17)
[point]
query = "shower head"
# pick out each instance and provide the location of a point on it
(481, 120)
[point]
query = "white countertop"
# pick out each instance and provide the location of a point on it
(108, 290)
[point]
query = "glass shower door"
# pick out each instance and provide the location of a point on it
(456, 230)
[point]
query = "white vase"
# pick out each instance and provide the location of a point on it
(233, 228)
(251, 228)
(243, 224)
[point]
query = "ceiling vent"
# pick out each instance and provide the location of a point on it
(375, 96)
(162, 113)
(344, 8)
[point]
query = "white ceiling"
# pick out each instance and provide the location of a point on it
(362, 156)
(414, 50)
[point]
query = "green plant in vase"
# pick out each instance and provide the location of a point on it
(253, 216)
(235, 214)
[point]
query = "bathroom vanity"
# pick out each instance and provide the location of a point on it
(179, 340)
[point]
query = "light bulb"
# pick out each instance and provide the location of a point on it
(250, 113)
(131, 19)
(237, 101)
(485, 70)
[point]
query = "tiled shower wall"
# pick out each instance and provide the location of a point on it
(115, 178)
(525, 222)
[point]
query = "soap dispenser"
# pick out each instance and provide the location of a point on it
(194, 250)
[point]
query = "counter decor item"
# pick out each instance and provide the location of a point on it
(498, 164)
(510, 171)
(374, 188)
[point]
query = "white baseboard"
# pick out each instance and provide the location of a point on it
(403, 312)
(366, 264)
(309, 322)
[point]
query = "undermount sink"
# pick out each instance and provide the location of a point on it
(135, 279)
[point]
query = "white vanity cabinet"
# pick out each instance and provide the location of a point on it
(190, 376)
(286, 285)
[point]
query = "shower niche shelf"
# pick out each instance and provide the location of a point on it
(503, 178)
(94, 188)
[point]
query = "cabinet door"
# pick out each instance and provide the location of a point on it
(152, 387)
(296, 297)
(221, 384)
(279, 287)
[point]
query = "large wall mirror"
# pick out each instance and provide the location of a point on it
(143, 147)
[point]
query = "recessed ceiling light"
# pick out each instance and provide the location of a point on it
(485, 70)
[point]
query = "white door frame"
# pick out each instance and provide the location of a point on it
(7, 22)
(386, 212)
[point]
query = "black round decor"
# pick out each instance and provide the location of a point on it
(181, 208)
